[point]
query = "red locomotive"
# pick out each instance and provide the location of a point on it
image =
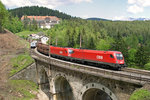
(113, 59)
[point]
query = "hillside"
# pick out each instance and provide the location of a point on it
(9, 41)
(11, 48)
(38, 11)
(98, 19)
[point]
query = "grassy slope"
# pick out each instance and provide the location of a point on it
(20, 62)
(24, 34)
(22, 89)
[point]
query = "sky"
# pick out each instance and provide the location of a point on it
(108, 9)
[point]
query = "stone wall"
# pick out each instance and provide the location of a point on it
(28, 73)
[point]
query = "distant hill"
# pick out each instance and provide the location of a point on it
(98, 19)
(133, 19)
(38, 11)
(138, 19)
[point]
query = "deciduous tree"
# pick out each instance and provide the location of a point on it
(3, 16)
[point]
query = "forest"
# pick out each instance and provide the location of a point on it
(129, 37)
(38, 11)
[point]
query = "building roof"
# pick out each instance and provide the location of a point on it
(41, 17)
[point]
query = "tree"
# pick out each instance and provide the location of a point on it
(78, 40)
(120, 45)
(132, 41)
(141, 56)
(14, 25)
(26, 22)
(84, 39)
(35, 25)
(73, 38)
(131, 56)
(103, 45)
(91, 43)
(3, 16)
(68, 35)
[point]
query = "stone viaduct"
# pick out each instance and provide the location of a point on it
(62, 80)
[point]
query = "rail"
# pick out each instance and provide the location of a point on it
(137, 71)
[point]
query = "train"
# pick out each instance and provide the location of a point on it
(105, 59)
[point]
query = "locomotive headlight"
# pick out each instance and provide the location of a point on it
(117, 62)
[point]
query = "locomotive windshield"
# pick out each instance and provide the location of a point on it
(70, 51)
(119, 56)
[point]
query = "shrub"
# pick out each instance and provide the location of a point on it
(140, 95)
(147, 66)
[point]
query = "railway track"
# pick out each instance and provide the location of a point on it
(137, 71)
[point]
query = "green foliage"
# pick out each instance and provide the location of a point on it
(23, 87)
(120, 45)
(3, 16)
(20, 62)
(30, 25)
(147, 66)
(26, 22)
(104, 44)
(131, 57)
(103, 35)
(140, 95)
(14, 25)
(141, 56)
(35, 25)
(132, 41)
(38, 11)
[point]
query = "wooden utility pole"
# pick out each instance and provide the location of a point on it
(80, 41)
(49, 46)
(56, 41)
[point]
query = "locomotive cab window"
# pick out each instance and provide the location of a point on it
(71, 51)
(119, 56)
(111, 56)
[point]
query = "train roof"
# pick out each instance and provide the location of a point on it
(89, 50)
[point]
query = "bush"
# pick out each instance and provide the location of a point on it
(147, 66)
(140, 95)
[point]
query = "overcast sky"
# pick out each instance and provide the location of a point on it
(110, 9)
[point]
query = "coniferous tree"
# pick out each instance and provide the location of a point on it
(120, 45)
(91, 43)
(73, 38)
(35, 25)
(78, 38)
(141, 56)
(26, 22)
(68, 38)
